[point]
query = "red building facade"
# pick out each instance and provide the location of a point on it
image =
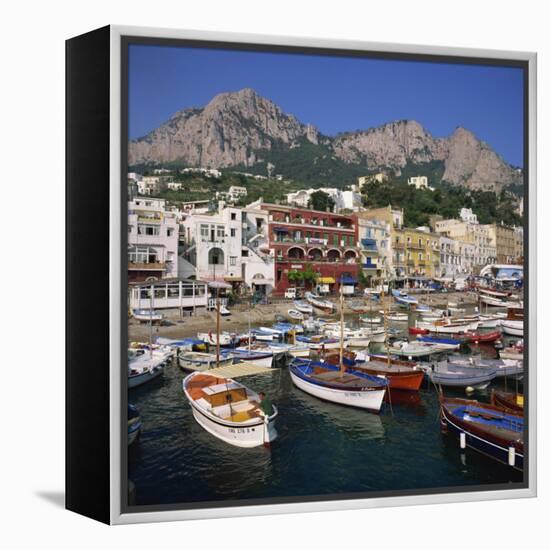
(327, 242)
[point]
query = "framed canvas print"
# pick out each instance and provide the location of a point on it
(300, 274)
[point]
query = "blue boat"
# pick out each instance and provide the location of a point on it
(403, 298)
(437, 340)
(487, 429)
(343, 386)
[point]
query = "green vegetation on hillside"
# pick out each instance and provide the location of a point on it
(446, 201)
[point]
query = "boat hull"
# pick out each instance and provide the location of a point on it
(513, 328)
(474, 439)
(238, 436)
(370, 400)
(139, 379)
(202, 364)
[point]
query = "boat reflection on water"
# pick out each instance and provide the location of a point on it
(355, 423)
(410, 400)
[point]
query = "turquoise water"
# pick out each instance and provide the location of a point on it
(322, 448)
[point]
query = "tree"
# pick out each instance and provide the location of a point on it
(319, 200)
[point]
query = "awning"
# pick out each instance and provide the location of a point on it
(281, 229)
(326, 280)
(219, 284)
(233, 279)
(348, 280)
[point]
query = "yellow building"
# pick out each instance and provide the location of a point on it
(416, 252)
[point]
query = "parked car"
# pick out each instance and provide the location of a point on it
(291, 293)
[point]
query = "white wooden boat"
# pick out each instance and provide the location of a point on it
(447, 327)
(397, 317)
(297, 349)
(144, 365)
(329, 383)
(303, 307)
(229, 410)
(430, 313)
(371, 320)
(319, 303)
(417, 349)
(504, 367)
(224, 311)
(211, 338)
(147, 315)
(295, 314)
(513, 328)
(319, 342)
(489, 321)
(196, 361)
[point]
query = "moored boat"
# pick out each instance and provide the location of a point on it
(513, 328)
(134, 423)
(295, 314)
(485, 428)
(458, 375)
(212, 338)
(229, 410)
(510, 401)
(195, 361)
(146, 365)
(330, 383)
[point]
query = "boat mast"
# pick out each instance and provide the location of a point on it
(386, 343)
(341, 328)
(151, 306)
(217, 327)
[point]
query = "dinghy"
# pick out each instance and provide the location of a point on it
(490, 430)
(229, 410)
(403, 298)
(319, 342)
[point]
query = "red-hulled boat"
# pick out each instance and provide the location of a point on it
(482, 337)
(416, 330)
(401, 375)
(507, 400)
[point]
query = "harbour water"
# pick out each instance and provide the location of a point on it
(323, 449)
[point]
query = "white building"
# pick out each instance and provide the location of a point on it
(150, 185)
(456, 258)
(381, 177)
(343, 200)
(227, 245)
(466, 215)
(152, 240)
(420, 182)
(208, 172)
(374, 247)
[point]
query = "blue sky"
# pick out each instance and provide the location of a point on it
(335, 94)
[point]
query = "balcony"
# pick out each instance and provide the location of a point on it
(400, 246)
(369, 265)
(146, 266)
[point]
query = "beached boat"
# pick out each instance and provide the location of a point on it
(295, 314)
(330, 383)
(487, 429)
(303, 307)
(134, 423)
(195, 361)
(224, 311)
(457, 375)
(513, 328)
(229, 410)
(319, 303)
(509, 401)
(147, 315)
